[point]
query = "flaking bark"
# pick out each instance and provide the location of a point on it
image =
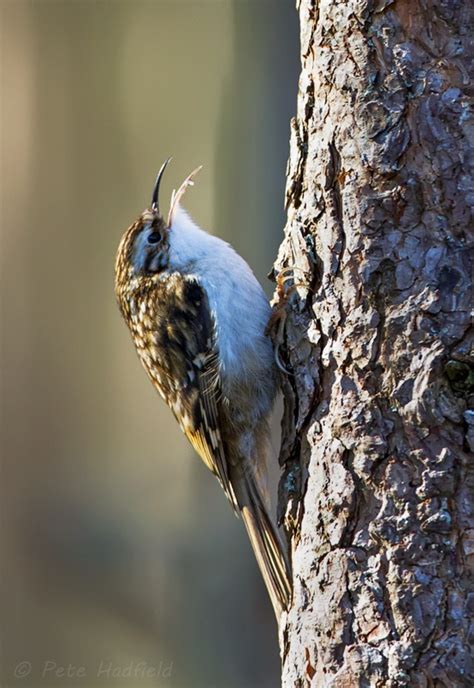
(379, 421)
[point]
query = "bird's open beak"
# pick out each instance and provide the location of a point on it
(155, 206)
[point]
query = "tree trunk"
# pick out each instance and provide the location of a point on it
(374, 331)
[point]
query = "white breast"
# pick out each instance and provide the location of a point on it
(238, 302)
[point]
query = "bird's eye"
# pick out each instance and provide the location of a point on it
(154, 238)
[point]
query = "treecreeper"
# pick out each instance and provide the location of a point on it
(198, 319)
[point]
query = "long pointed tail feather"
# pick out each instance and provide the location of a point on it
(267, 545)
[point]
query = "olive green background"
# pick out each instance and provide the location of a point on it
(121, 561)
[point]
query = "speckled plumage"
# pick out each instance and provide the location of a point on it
(197, 316)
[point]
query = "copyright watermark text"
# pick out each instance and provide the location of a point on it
(105, 669)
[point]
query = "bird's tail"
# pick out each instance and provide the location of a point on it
(266, 543)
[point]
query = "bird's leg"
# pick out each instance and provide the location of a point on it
(276, 323)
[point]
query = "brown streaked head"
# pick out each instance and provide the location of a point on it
(143, 249)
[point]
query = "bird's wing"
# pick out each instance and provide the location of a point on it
(189, 360)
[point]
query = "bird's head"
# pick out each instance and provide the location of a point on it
(144, 248)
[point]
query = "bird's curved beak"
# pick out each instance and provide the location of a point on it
(155, 206)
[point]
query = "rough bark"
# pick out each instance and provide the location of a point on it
(374, 298)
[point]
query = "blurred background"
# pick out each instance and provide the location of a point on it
(121, 561)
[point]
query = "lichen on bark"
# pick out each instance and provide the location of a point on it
(379, 423)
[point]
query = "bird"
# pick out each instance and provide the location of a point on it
(198, 318)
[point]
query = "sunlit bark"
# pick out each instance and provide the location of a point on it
(377, 342)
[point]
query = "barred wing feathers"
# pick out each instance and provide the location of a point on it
(189, 363)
